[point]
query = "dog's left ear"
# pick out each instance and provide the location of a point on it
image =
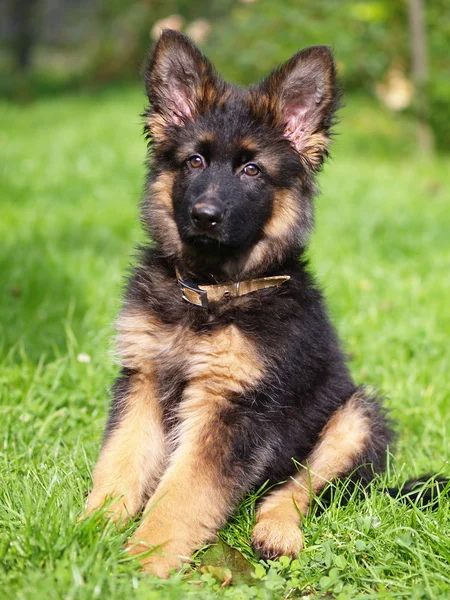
(305, 95)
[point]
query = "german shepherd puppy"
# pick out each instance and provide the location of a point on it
(230, 366)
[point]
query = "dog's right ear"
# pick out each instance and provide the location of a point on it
(178, 79)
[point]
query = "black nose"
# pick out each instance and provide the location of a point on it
(207, 215)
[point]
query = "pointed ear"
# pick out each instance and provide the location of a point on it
(305, 95)
(178, 78)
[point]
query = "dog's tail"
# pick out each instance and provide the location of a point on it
(426, 491)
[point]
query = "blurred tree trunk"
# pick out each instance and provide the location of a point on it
(24, 32)
(419, 68)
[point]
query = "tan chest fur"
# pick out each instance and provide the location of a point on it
(220, 362)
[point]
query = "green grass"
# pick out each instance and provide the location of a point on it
(71, 176)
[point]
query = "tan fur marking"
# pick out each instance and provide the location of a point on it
(132, 458)
(285, 213)
(227, 358)
(316, 145)
(142, 340)
(157, 123)
(340, 443)
(192, 500)
(184, 151)
(264, 107)
(223, 98)
(208, 138)
(194, 496)
(161, 208)
(161, 190)
(210, 94)
(278, 232)
(248, 143)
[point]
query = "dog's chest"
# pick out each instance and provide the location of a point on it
(222, 361)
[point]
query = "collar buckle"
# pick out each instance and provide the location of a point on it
(193, 294)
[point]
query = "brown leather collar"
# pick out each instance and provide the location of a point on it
(201, 295)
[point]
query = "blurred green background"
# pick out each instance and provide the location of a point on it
(50, 46)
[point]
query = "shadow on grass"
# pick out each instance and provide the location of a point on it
(53, 290)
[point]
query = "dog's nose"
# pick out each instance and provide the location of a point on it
(207, 215)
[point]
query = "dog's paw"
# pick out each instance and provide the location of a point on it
(272, 538)
(154, 560)
(119, 510)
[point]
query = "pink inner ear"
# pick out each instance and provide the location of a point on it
(297, 126)
(178, 104)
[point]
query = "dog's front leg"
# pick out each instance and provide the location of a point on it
(342, 446)
(197, 492)
(133, 453)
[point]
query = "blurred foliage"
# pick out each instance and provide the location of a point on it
(438, 21)
(126, 31)
(366, 36)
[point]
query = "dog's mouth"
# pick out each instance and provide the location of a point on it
(214, 246)
(209, 243)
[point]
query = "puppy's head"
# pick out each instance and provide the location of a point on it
(232, 171)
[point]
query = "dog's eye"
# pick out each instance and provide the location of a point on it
(195, 161)
(251, 170)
